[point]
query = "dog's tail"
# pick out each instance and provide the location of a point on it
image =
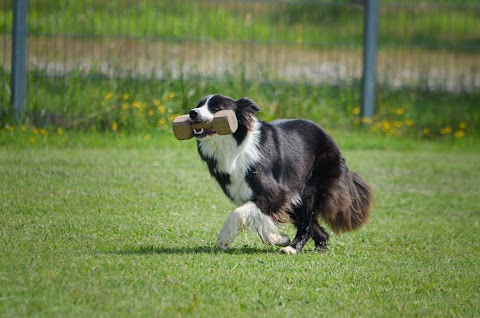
(348, 203)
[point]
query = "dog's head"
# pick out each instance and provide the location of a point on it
(243, 108)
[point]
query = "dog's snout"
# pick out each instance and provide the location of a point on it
(193, 114)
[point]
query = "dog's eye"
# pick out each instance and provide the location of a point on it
(214, 109)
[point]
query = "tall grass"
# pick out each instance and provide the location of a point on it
(102, 104)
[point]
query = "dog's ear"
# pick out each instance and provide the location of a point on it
(247, 104)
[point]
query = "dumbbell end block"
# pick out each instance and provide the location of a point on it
(182, 127)
(225, 122)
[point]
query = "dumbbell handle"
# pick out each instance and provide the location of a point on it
(204, 125)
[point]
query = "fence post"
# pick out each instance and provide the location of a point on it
(370, 33)
(18, 77)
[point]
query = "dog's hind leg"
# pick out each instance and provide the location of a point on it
(303, 217)
(249, 215)
(304, 233)
(320, 237)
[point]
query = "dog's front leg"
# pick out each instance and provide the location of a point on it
(235, 222)
(249, 215)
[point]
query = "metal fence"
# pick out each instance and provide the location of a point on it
(431, 45)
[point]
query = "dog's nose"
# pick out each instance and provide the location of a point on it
(193, 114)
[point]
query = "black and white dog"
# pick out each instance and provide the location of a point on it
(280, 171)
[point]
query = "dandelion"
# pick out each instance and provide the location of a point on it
(60, 132)
(400, 110)
(367, 120)
(459, 133)
(356, 110)
(114, 126)
(137, 104)
(125, 106)
(409, 122)
(108, 96)
(161, 121)
(32, 140)
(446, 130)
(157, 102)
(125, 96)
(36, 131)
(398, 123)
(148, 137)
(43, 131)
(162, 109)
(462, 125)
(151, 112)
(299, 40)
(426, 131)
(24, 128)
(171, 94)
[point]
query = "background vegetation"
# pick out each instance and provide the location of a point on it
(90, 99)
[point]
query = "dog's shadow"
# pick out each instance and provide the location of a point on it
(151, 250)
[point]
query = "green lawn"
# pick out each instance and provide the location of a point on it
(118, 227)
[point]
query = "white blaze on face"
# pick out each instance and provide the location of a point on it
(204, 113)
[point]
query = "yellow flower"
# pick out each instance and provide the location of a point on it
(426, 131)
(409, 122)
(446, 130)
(171, 94)
(114, 126)
(148, 137)
(36, 131)
(367, 120)
(137, 104)
(60, 132)
(356, 110)
(125, 96)
(162, 109)
(400, 111)
(161, 121)
(151, 112)
(462, 125)
(108, 96)
(24, 128)
(125, 106)
(43, 131)
(157, 102)
(299, 39)
(459, 133)
(32, 140)
(398, 124)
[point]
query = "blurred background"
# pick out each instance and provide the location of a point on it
(133, 65)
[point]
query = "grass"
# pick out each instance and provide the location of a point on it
(110, 226)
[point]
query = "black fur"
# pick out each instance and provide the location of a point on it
(300, 162)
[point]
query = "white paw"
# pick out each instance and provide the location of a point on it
(288, 250)
(227, 235)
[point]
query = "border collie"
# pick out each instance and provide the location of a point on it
(277, 172)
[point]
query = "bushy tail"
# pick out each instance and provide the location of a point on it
(348, 203)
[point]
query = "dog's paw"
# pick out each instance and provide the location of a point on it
(288, 250)
(227, 236)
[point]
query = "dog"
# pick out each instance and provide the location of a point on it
(283, 171)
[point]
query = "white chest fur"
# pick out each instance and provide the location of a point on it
(234, 160)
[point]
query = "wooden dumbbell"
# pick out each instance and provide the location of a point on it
(224, 122)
